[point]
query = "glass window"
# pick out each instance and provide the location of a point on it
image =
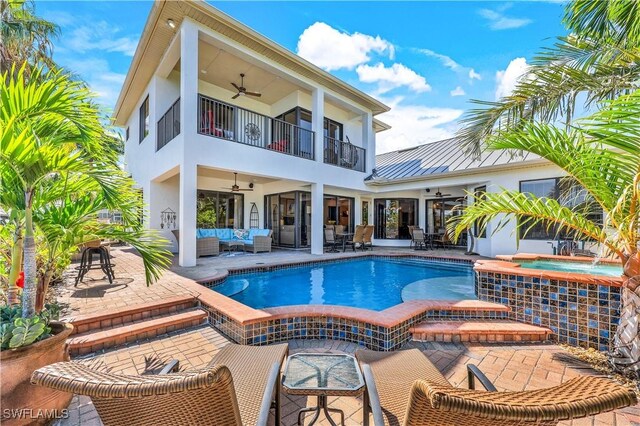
(220, 210)
(393, 217)
(479, 194)
(339, 211)
(144, 119)
(569, 193)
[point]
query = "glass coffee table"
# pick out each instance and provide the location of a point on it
(322, 375)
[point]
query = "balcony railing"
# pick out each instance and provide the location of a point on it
(226, 121)
(168, 125)
(344, 154)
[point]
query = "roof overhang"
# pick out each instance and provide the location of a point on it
(157, 36)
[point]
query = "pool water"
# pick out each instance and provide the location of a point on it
(374, 284)
(577, 267)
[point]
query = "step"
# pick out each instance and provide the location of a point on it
(96, 340)
(478, 331)
(130, 314)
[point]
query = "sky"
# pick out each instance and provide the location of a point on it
(426, 60)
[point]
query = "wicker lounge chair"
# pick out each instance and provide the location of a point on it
(238, 388)
(405, 388)
(260, 243)
(209, 246)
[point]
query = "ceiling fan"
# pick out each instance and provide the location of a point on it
(439, 194)
(236, 187)
(242, 91)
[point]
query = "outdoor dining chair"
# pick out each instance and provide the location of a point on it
(239, 387)
(405, 388)
(367, 237)
(358, 238)
(330, 240)
(417, 239)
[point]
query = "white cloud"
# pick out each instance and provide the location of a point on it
(506, 80)
(458, 91)
(413, 125)
(473, 75)
(102, 81)
(98, 36)
(389, 78)
(447, 61)
(499, 21)
(332, 49)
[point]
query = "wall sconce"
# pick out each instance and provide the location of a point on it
(168, 219)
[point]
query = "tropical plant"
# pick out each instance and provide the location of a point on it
(598, 61)
(58, 170)
(25, 39)
(16, 332)
(602, 154)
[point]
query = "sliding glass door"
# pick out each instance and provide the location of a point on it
(219, 210)
(289, 216)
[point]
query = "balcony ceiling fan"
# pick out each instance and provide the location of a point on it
(439, 194)
(242, 91)
(236, 187)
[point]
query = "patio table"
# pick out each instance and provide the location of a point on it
(344, 236)
(322, 375)
(231, 245)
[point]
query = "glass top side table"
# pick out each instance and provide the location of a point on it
(322, 375)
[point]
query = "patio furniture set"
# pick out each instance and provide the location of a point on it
(210, 242)
(243, 383)
(336, 235)
(423, 241)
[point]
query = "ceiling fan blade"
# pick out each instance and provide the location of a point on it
(236, 86)
(245, 189)
(256, 94)
(236, 95)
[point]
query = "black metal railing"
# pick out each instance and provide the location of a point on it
(226, 121)
(344, 154)
(168, 125)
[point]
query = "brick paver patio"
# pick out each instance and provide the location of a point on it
(510, 367)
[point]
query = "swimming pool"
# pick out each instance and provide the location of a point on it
(576, 267)
(374, 284)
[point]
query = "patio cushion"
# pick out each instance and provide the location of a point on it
(240, 234)
(258, 232)
(225, 234)
(205, 233)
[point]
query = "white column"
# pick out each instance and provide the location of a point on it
(188, 128)
(369, 140)
(422, 213)
(357, 210)
(317, 225)
(317, 122)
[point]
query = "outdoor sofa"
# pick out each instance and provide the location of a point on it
(238, 388)
(255, 240)
(405, 388)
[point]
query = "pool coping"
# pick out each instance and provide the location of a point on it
(503, 264)
(381, 330)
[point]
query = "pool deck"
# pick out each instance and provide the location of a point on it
(512, 367)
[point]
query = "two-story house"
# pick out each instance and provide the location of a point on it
(228, 129)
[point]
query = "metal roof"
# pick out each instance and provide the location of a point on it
(437, 158)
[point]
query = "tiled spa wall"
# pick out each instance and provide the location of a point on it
(579, 314)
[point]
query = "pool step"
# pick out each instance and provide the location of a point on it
(492, 331)
(100, 339)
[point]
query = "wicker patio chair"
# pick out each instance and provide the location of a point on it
(405, 388)
(357, 239)
(260, 243)
(209, 246)
(238, 388)
(367, 237)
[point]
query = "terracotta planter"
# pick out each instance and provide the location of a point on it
(18, 393)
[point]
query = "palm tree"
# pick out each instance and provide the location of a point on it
(602, 154)
(52, 145)
(598, 61)
(25, 39)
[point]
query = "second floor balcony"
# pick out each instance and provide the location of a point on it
(226, 121)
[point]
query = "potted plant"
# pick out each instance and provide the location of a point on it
(59, 168)
(26, 345)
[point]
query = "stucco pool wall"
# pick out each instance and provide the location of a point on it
(581, 309)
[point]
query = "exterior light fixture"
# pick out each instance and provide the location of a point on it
(171, 23)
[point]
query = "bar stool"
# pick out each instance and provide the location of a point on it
(86, 261)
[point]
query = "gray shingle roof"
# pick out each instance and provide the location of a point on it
(436, 158)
